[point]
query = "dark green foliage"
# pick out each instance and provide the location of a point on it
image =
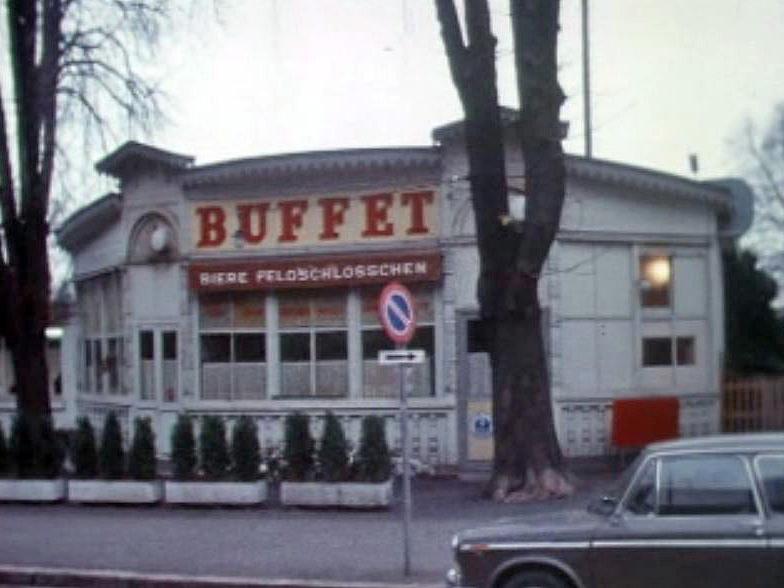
(245, 449)
(141, 458)
(214, 449)
(755, 336)
(111, 457)
(333, 452)
(5, 464)
(298, 448)
(183, 444)
(373, 463)
(34, 448)
(84, 453)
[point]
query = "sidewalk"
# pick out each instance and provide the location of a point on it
(327, 548)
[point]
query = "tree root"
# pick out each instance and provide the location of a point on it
(547, 484)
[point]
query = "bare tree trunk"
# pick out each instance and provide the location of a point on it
(528, 460)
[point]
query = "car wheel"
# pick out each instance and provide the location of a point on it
(534, 579)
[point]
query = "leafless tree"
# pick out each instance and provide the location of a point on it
(763, 154)
(528, 460)
(70, 61)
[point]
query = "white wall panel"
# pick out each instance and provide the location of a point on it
(580, 358)
(613, 281)
(576, 273)
(615, 342)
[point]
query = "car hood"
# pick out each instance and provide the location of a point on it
(564, 525)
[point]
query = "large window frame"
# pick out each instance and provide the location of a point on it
(102, 349)
(244, 365)
(373, 339)
(307, 321)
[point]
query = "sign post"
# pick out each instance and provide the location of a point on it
(396, 313)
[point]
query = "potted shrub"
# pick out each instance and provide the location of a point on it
(372, 468)
(5, 465)
(33, 461)
(298, 486)
(227, 478)
(113, 488)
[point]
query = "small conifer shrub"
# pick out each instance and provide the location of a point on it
(111, 456)
(5, 462)
(183, 444)
(373, 462)
(333, 451)
(22, 448)
(298, 448)
(84, 453)
(214, 451)
(141, 458)
(245, 449)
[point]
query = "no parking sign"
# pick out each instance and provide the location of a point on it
(396, 312)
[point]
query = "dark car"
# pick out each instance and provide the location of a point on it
(697, 512)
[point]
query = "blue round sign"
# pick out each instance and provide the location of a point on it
(396, 312)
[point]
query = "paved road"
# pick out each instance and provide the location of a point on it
(267, 542)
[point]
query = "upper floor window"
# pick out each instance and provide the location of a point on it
(655, 281)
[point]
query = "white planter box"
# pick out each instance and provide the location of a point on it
(32, 490)
(337, 494)
(218, 493)
(115, 491)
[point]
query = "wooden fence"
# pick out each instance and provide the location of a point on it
(753, 404)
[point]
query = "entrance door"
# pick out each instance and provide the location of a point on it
(158, 368)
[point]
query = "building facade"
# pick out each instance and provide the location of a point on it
(251, 286)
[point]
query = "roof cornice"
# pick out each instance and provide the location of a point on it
(621, 174)
(132, 155)
(349, 160)
(88, 222)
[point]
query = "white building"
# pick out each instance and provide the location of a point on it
(250, 287)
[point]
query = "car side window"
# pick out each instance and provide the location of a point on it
(642, 498)
(771, 470)
(705, 485)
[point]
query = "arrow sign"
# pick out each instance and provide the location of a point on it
(401, 356)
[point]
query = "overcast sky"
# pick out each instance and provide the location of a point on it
(669, 77)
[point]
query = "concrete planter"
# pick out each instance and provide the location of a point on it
(337, 494)
(32, 490)
(115, 491)
(217, 493)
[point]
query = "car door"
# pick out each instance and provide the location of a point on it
(688, 520)
(770, 470)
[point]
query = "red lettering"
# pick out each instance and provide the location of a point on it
(333, 214)
(253, 232)
(292, 213)
(212, 226)
(376, 215)
(417, 201)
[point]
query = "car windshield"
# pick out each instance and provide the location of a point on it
(616, 489)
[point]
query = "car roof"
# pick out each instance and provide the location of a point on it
(732, 442)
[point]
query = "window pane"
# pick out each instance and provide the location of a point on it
(705, 485)
(374, 341)
(99, 365)
(331, 345)
(249, 310)
(370, 306)
(423, 304)
(294, 309)
(112, 366)
(329, 309)
(642, 499)
(249, 347)
(214, 311)
(685, 351)
(656, 277)
(295, 347)
(771, 470)
(169, 345)
(215, 348)
(146, 345)
(656, 351)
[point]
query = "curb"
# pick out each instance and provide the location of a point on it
(73, 578)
